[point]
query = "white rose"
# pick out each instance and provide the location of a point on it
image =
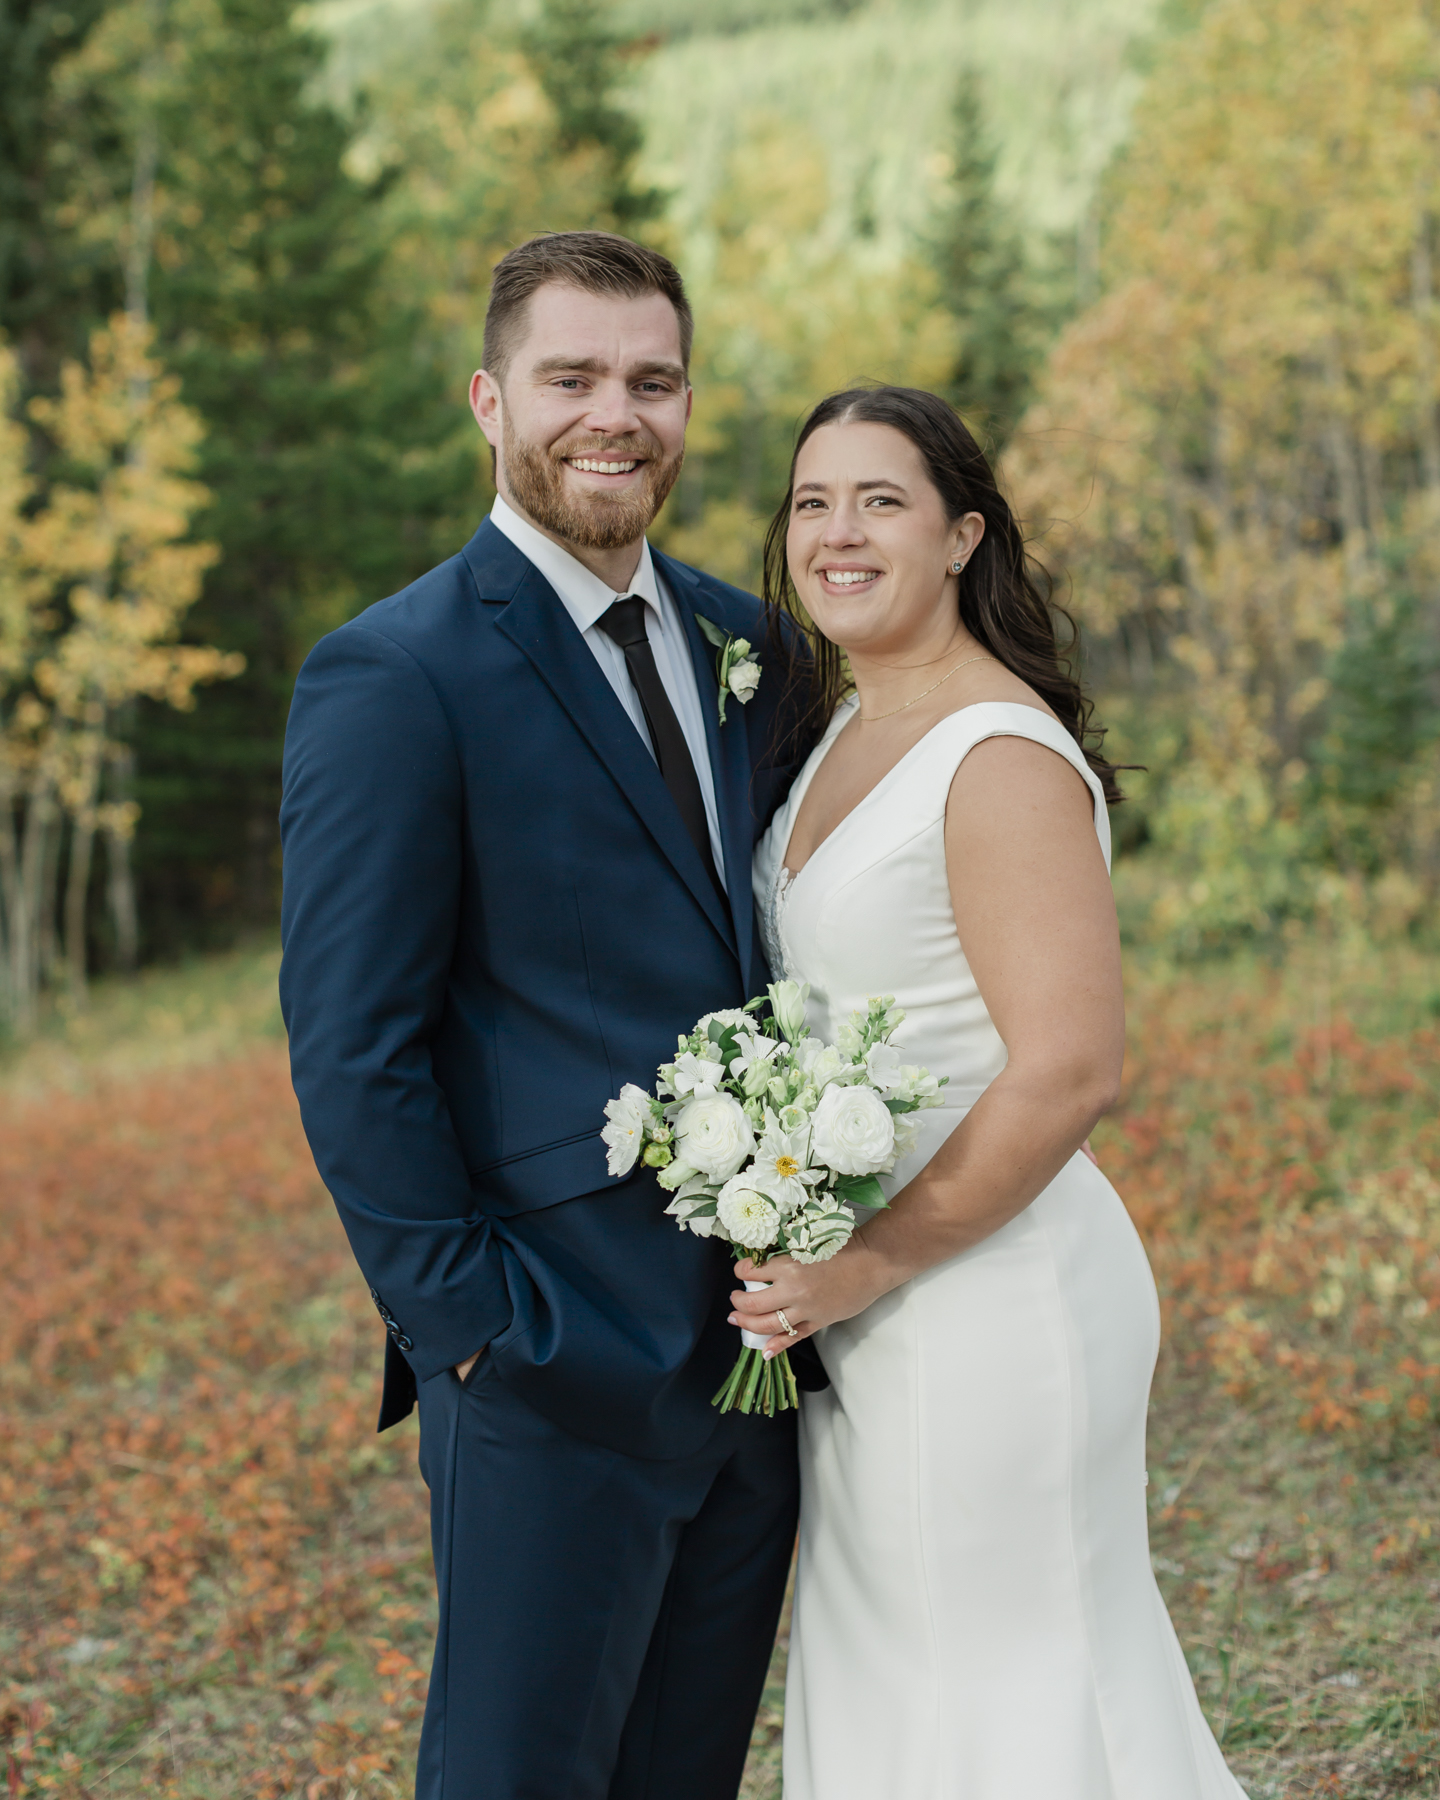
(853, 1131)
(625, 1134)
(743, 680)
(714, 1135)
(751, 1218)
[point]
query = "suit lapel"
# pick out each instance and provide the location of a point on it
(729, 747)
(536, 622)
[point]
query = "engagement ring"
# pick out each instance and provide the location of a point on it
(785, 1324)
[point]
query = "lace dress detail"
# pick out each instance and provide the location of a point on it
(772, 925)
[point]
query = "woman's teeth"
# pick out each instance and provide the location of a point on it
(850, 577)
(591, 467)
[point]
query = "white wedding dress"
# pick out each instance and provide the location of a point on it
(976, 1617)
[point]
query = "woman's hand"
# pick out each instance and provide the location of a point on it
(810, 1295)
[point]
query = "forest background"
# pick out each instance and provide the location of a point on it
(1175, 262)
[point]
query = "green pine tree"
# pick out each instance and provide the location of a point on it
(54, 286)
(985, 281)
(328, 454)
(577, 58)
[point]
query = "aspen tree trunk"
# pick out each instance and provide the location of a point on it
(9, 900)
(120, 877)
(82, 850)
(1422, 297)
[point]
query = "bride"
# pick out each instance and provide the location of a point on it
(976, 1617)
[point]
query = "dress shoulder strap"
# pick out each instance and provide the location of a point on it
(947, 745)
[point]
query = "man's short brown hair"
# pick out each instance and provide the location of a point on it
(597, 262)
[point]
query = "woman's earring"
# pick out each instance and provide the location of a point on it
(957, 566)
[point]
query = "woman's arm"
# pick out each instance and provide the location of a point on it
(1037, 922)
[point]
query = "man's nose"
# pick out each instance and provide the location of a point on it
(612, 411)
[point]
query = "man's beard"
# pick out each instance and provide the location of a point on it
(595, 521)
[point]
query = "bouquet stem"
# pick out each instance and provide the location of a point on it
(755, 1385)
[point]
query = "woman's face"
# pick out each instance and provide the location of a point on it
(869, 545)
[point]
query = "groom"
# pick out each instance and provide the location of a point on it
(517, 865)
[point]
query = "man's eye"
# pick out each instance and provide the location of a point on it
(652, 387)
(568, 381)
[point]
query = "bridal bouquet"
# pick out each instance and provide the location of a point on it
(772, 1140)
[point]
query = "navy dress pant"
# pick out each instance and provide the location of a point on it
(605, 1620)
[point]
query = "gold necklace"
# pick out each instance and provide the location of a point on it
(875, 718)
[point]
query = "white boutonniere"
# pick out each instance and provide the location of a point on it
(736, 669)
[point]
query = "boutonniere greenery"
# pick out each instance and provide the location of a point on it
(736, 670)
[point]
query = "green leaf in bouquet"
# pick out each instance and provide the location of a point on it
(861, 1190)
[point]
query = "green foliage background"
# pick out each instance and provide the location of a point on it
(915, 190)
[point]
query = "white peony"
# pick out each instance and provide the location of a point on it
(743, 679)
(853, 1131)
(625, 1133)
(751, 1218)
(713, 1135)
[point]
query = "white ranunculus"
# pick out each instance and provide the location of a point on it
(624, 1134)
(744, 679)
(853, 1131)
(751, 1218)
(787, 1002)
(714, 1135)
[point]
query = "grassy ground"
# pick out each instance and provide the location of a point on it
(215, 1580)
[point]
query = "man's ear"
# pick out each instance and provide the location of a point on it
(487, 405)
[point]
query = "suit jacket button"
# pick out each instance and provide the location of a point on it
(405, 1343)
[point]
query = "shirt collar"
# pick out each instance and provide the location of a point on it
(584, 595)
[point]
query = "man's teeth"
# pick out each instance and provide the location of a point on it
(591, 467)
(850, 577)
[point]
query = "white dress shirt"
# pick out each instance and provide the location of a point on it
(587, 599)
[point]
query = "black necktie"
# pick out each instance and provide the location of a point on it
(625, 624)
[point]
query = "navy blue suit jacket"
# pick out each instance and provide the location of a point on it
(494, 917)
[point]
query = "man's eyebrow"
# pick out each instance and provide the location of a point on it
(591, 365)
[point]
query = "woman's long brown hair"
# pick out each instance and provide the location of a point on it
(1006, 598)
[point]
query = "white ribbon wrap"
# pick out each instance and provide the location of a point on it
(752, 1340)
